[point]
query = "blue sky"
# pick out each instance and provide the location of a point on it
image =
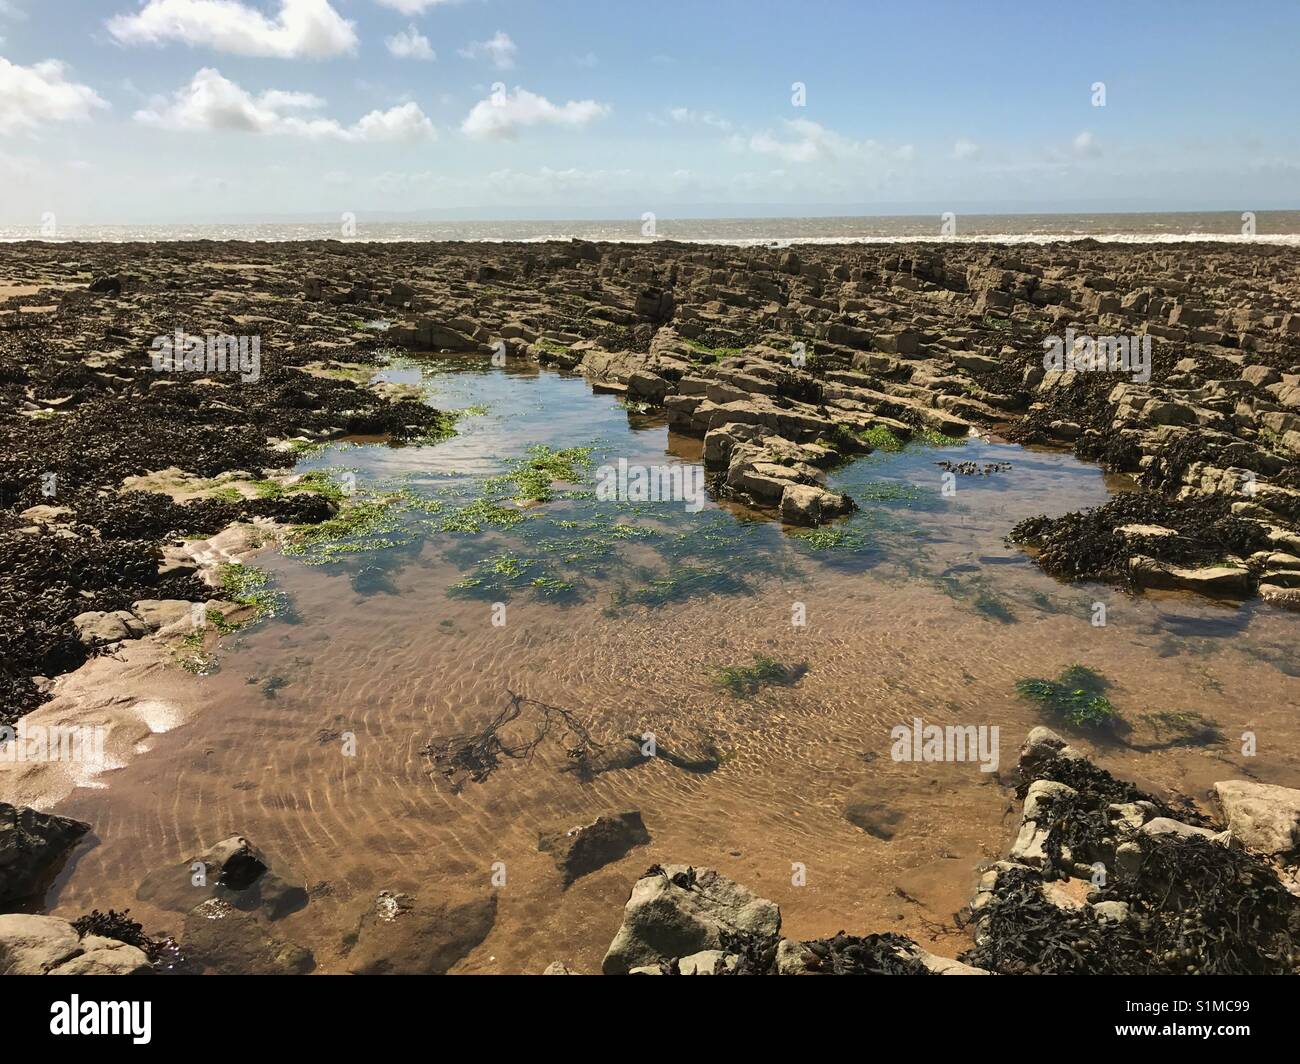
(196, 110)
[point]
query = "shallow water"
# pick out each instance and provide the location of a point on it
(920, 610)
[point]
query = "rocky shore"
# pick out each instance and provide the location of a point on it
(113, 472)
(132, 487)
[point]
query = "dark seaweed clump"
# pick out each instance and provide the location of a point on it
(1086, 546)
(162, 952)
(1196, 907)
(105, 557)
(473, 757)
(865, 955)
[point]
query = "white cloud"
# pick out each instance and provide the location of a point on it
(965, 149)
(499, 49)
(686, 116)
(412, 7)
(212, 102)
(501, 116)
(812, 142)
(302, 29)
(33, 96)
(405, 122)
(1085, 144)
(410, 44)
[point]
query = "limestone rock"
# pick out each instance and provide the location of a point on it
(677, 911)
(803, 504)
(1265, 817)
(46, 945)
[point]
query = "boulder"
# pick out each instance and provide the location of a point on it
(578, 851)
(1214, 580)
(1036, 823)
(654, 304)
(397, 935)
(400, 295)
(432, 335)
(677, 911)
(235, 872)
(46, 945)
(1265, 817)
(156, 614)
(1163, 825)
(97, 628)
(1040, 745)
(707, 962)
(33, 846)
(805, 504)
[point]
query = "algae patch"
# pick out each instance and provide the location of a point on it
(1077, 697)
(744, 681)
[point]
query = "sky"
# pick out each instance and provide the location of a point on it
(168, 111)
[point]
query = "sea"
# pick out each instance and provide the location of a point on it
(1269, 227)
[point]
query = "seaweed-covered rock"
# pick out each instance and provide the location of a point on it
(1104, 879)
(886, 954)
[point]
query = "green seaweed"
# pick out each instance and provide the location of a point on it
(249, 586)
(880, 438)
(1077, 697)
(830, 538)
(534, 476)
(743, 681)
(481, 514)
(933, 438)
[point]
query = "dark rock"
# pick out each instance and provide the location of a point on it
(873, 817)
(33, 847)
(584, 849)
(230, 942)
(108, 285)
(233, 871)
(399, 936)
